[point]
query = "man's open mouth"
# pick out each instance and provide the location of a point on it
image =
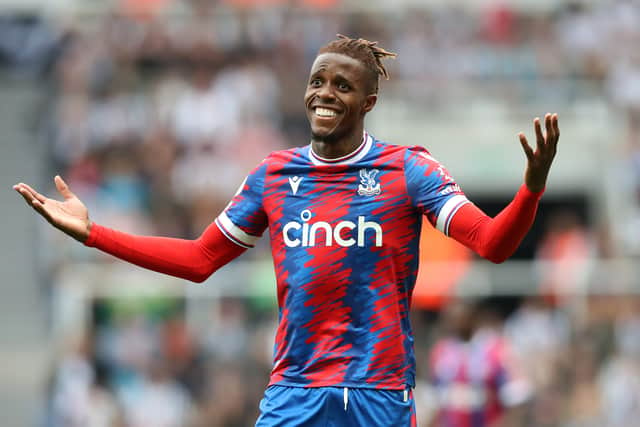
(324, 112)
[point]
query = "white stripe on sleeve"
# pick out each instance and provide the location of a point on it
(234, 232)
(447, 212)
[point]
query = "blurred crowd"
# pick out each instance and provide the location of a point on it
(144, 367)
(562, 368)
(155, 118)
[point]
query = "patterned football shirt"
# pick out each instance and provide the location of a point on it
(344, 237)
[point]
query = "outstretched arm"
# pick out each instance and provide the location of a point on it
(189, 259)
(193, 260)
(497, 238)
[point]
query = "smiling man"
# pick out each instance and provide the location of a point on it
(341, 90)
(344, 215)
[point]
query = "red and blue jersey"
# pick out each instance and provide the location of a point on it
(344, 237)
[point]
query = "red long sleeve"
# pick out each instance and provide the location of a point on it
(496, 239)
(193, 260)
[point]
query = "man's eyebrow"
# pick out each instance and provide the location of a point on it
(342, 77)
(321, 67)
(338, 75)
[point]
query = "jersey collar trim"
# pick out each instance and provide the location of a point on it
(353, 157)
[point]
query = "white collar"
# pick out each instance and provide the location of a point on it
(353, 157)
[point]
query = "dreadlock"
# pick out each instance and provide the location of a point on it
(365, 51)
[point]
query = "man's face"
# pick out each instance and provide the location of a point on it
(338, 96)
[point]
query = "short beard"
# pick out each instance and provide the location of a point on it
(326, 139)
(334, 136)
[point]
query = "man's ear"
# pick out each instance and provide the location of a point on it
(370, 102)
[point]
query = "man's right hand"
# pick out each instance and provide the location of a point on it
(70, 216)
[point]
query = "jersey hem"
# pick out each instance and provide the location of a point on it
(348, 384)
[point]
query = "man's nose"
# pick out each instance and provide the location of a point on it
(326, 93)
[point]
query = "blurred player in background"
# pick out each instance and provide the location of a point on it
(344, 215)
(474, 378)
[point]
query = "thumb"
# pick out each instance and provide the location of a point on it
(528, 151)
(62, 187)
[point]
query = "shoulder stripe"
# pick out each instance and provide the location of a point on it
(447, 212)
(235, 233)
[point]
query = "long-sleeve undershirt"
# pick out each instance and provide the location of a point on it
(492, 238)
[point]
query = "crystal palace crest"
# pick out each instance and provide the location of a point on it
(368, 185)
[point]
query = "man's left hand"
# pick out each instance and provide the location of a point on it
(539, 161)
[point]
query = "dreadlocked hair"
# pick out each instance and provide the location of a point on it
(365, 51)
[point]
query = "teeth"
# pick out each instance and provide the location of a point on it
(325, 112)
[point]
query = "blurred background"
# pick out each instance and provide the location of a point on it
(155, 110)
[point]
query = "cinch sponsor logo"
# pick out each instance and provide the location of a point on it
(345, 233)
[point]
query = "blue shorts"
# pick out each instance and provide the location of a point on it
(336, 407)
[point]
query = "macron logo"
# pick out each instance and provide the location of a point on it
(294, 182)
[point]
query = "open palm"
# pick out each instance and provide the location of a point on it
(539, 160)
(70, 215)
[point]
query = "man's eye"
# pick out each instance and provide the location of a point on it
(316, 83)
(343, 86)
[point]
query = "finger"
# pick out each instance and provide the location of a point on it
(539, 136)
(34, 193)
(556, 127)
(21, 188)
(62, 187)
(26, 195)
(548, 128)
(528, 151)
(39, 207)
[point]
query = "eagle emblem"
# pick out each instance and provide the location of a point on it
(368, 185)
